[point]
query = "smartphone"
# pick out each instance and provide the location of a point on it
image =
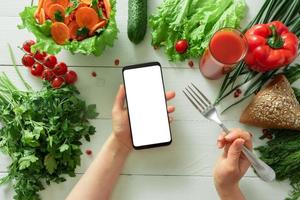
(147, 105)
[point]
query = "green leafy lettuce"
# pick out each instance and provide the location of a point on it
(195, 21)
(94, 45)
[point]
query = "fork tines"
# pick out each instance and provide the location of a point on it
(197, 98)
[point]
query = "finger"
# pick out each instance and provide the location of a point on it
(238, 133)
(221, 140)
(170, 95)
(120, 99)
(226, 148)
(234, 152)
(171, 109)
(171, 119)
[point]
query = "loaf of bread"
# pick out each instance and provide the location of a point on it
(275, 106)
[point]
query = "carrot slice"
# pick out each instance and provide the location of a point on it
(60, 32)
(38, 10)
(107, 8)
(73, 26)
(86, 17)
(64, 3)
(42, 16)
(47, 4)
(88, 2)
(96, 27)
(54, 9)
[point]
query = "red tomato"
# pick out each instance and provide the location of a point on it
(71, 77)
(40, 56)
(60, 69)
(28, 60)
(50, 61)
(48, 75)
(27, 45)
(57, 82)
(181, 46)
(37, 69)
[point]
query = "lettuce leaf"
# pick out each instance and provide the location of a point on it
(195, 21)
(94, 45)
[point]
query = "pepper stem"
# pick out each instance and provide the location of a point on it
(275, 41)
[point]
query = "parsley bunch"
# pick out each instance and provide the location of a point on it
(41, 133)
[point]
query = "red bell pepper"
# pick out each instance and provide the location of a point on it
(271, 46)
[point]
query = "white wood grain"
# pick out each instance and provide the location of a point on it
(165, 187)
(12, 8)
(180, 171)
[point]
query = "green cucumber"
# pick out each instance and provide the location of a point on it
(137, 20)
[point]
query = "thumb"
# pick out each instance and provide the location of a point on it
(120, 98)
(234, 152)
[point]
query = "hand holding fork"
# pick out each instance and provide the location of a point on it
(208, 110)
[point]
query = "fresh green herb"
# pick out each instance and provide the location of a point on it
(70, 9)
(284, 11)
(42, 133)
(92, 45)
(58, 16)
(194, 21)
(83, 32)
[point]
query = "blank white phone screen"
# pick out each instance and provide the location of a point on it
(147, 106)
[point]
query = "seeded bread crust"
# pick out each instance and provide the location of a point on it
(275, 106)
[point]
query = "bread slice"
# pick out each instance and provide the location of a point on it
(275, 106)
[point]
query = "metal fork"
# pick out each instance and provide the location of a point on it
(208, 110)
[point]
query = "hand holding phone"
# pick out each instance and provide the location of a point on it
(146, 102)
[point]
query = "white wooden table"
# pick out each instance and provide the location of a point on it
(182, 170)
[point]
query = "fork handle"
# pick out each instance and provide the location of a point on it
(264, 171)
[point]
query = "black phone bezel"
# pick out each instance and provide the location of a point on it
(142, 65)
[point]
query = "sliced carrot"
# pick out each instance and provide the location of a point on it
(38, 10)
(64, 3)
(88, 2)
(86, 17)
(47, 4)
(73, 26)
(54, 9)
(107, 7)
(96, 27)
(60, 32)
(42, 16)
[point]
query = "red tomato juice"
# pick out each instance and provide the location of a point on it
(227, 47)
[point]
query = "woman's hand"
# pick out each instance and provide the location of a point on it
(120, 122)
(232, 164)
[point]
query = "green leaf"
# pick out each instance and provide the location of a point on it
(63, 148)
(91, 112)
(195, 21)
(83, 32)
(26, 161)
(58, 16)
(70, 9)
(50, 163)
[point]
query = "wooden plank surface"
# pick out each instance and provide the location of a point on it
(180, 171)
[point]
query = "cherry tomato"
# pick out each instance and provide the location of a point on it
(37, 69)
(50, 61)
(40, 56)
(181, 46)
(60, 69)
(71, 77)
(28, 60)
(27, 45)
(57, 82)
(48, 75)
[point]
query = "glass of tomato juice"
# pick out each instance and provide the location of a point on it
(227, 47)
